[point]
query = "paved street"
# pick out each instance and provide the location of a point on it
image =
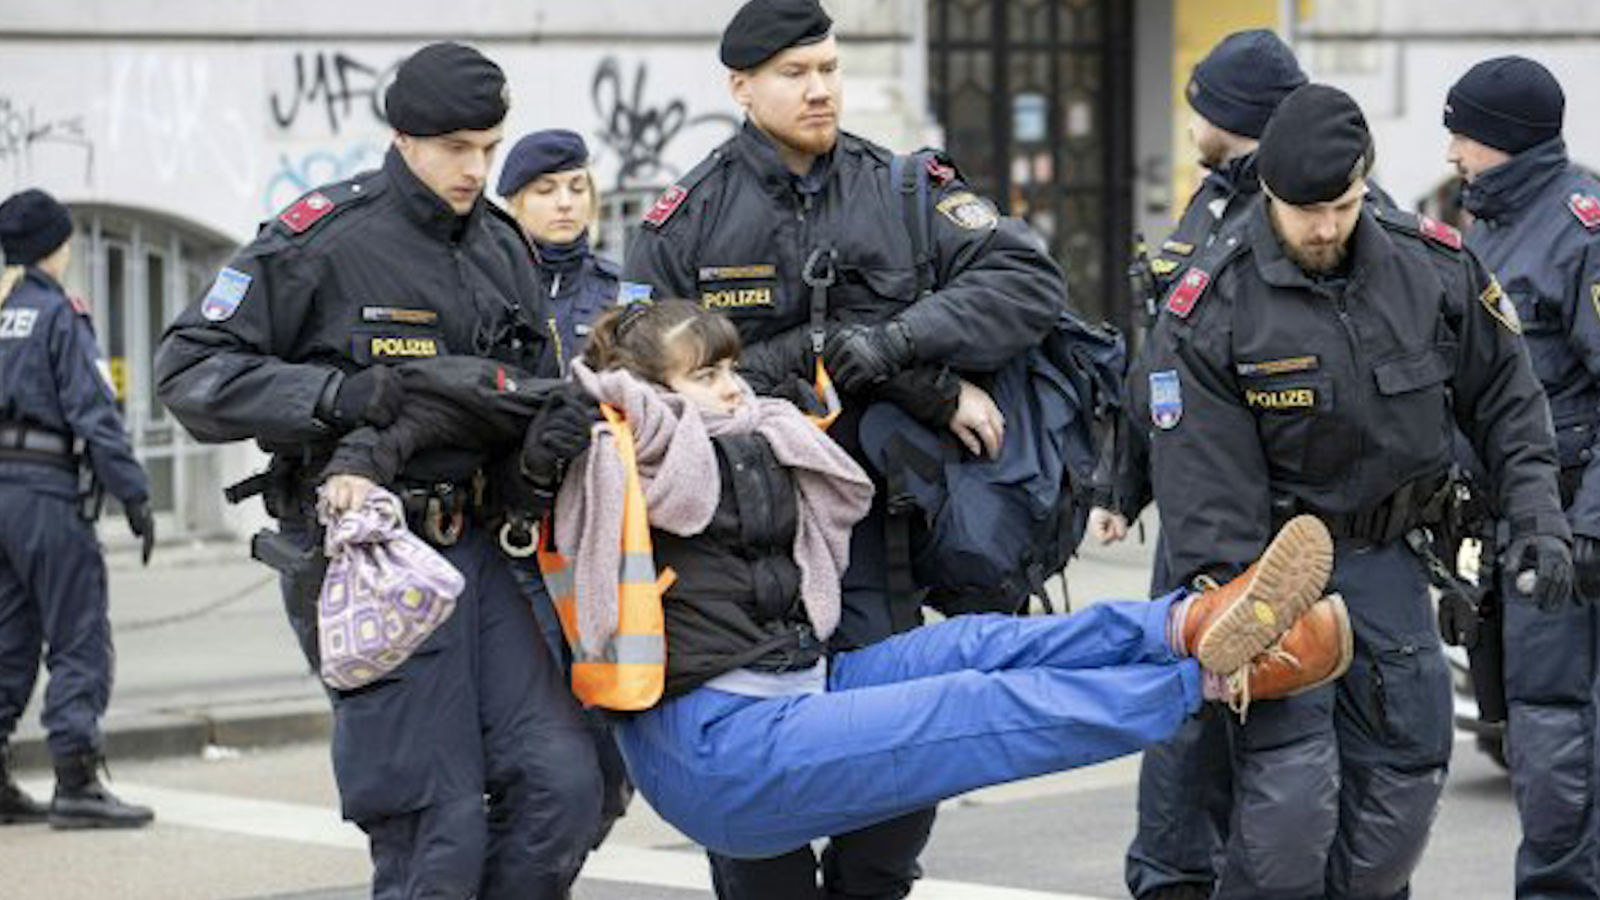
(205, 659)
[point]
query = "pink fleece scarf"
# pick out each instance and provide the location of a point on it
(678, 471)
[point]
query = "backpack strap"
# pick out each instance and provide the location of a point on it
(910, 174)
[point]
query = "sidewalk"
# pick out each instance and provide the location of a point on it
(204, 655)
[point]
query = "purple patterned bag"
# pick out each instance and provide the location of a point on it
(386, 590)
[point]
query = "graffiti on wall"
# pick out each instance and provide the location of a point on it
(297, 175)
(640, 133)
(161, 107)
(336, 85)
(24, 129)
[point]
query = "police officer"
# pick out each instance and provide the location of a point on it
(470, 769)
(799, 231)
(58, 411)
(1538, 228)
(1317, 362)
(1184, 784)
(548, 186)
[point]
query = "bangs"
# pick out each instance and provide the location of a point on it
(704, 340)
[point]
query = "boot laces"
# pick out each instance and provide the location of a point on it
(1239, 681)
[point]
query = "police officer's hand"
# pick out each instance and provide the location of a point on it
(859, 356)
(978, 422)
(143, 525)
(1586, 569)
(558, 432)
(1107, 526)
(1549, 561)
(372, 396)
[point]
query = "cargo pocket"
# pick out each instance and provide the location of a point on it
(1401, 693)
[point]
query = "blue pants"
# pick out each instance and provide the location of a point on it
(1185, 793)
(905, 723)
(52, 605)
(1551, 692)
(1335, 789)
(471, 767)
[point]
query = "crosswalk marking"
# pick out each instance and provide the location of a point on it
(300, 823)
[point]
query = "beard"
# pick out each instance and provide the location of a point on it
(1317, 259)
(810, 139)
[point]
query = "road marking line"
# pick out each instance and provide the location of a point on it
(299, 823)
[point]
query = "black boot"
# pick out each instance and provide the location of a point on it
(16, 807)
(81, 801)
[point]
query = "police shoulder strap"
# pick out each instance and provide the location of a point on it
(910, 174)
(667, 204)
(1185, 293)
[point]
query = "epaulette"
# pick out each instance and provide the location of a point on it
(1435, 232)
(673, 197)
(1186, 292)
(1587, 210)
(325, 202)
(80, 306)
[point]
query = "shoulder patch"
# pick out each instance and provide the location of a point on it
(306, 212)
(969, 211)
(1186, 293)
(940, 173)
(1499, 305)
(1587, 209)
(1438, 232)
(1166, 399)
(79, 305)
(665, 206)
(226, 293)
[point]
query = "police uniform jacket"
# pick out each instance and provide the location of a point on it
(375, 270)
(736, 600)
(51, 379)
(1266, 385)
(737, 230)
(1538, 230)
(579, 290)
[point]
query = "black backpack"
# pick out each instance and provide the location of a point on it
(983, 535)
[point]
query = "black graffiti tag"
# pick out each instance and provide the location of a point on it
(337, 81)
(639, 134)
(23, 129)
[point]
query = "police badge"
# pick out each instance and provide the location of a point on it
(1166, 399)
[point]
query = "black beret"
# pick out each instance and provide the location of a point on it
(540, 153)
(762, 29)
(1314, 146)
(1510, 103)
(446, 87)
(33, 225)
(1241, 81)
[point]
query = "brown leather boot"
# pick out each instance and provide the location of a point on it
(1225, 627)
(1317, 650)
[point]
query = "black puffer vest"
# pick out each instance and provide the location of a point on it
(736, 601)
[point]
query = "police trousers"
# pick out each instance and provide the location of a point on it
(918, 718)
(470, 767)
(1551, 695)
(53, 606)
(1185, 794)
(1335, 789)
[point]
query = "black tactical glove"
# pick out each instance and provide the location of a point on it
(1550, 561)
(1585, 569)
(859, 356)
(143, 525)
(558, 432)
(929, 394)
(372, 396)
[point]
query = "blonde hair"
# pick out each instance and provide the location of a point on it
(592, 229)
(10, 276)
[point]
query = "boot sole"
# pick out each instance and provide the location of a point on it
(89, 823)
(1347, 648)
(1289, 577)
(23, 819)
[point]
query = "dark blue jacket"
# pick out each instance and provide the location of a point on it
(1548, 262)
(51, 378)
(580, 289)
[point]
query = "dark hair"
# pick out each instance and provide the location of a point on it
(652, 340)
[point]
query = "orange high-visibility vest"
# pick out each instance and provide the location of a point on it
(629, 672)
